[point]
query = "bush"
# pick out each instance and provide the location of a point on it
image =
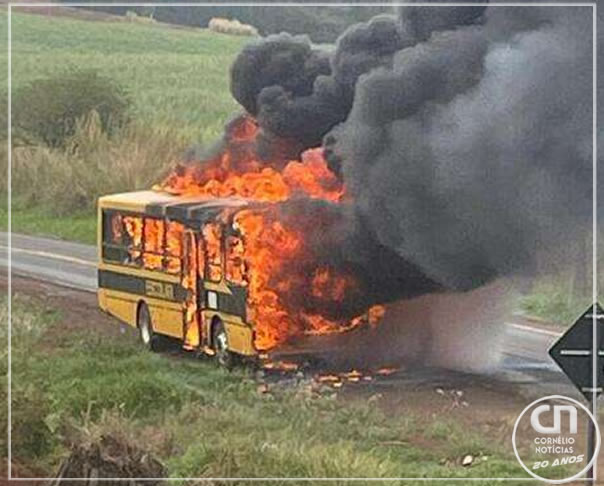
(47, 110)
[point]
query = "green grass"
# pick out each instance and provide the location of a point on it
(559, 298)
(80, 226)
(177, 78)
(179, 84)
(550, 302)
(203, 421)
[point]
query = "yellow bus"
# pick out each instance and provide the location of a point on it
(172, 266)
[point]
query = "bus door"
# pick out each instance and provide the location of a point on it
(191, 315)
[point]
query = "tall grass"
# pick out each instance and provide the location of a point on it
(93, 164)
(179, 86)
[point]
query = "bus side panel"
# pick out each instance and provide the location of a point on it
(240, 338)
(102, 297)
(124, 308)
(166, 317)
(167, 321)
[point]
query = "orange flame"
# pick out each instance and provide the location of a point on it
(262, 258)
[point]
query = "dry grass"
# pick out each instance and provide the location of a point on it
(93, 164)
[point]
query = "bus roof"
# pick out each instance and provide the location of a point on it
(163, 204)
(135, 201)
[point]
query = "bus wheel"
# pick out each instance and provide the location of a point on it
(145, 328)
(224, 357)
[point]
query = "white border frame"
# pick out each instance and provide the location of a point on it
(10, 4)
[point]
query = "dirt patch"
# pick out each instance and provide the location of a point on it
(79, 310)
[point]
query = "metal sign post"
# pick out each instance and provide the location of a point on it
(591, 447)
(577, 353)
(597, 316)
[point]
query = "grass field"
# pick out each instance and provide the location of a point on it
(178, 81)
(203, 421)
(37, 221)
(177, 78)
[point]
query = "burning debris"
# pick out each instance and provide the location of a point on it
(289, 373)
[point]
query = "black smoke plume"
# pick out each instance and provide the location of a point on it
(463, 133)
(299, 93)
(472, 155)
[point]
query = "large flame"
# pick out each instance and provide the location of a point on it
(269, 249)
(237, 171)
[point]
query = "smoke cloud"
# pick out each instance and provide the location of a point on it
(473, 153)
(461, 331)
(462, 133)
(298, 92)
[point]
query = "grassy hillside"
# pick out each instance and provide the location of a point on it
(177, 78)
(178, 81)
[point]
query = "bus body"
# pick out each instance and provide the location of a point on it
(165, 266)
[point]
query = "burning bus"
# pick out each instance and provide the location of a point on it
(226, 255)
(171, 267)
(178, 267)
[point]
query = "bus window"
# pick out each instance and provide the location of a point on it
(122, 238)
(117, 229)
(114, 249)
(174, 235)
(153, 243)
(212, 235)
(134, 238)
(235, 265)
(201, 259)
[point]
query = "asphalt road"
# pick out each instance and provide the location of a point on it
(74, 265)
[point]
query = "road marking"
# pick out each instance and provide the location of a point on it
(579, 352)
(52, 256)
(88, 263)
(534, 329)
(575, 352)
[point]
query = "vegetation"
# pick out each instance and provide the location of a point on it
(93, 164)
(200, 420)
(175, 78)
(554, 300)
(78, 226)
(322, 24)
(177, 85)
(48, 110)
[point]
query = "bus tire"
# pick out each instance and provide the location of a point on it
(145, 328)
(224, 357)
